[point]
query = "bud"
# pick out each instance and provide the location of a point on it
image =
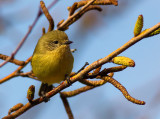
(123, 61)
(30, 93)
(138, 26)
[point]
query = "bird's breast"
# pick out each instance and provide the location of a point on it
(52, 67)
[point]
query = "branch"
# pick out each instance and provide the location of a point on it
(102, 82)
(91, 7)
(104, 72)
(97, 2)
(112, 69)
(26, 36)
(15, 73)
(67, 107)
(77, 91)
(15, 61)
(81, 74)
(48, 16)
(123, 90)
(27, 74)
(15, 107)
(63, 25)
(91, 85)
(108, 58)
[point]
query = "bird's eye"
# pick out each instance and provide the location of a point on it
(55, 42)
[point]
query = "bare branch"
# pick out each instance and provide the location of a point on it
(112, 69)
(81, 74)
(90, 85)
(83, 67)
(15, 61)
(23, 40)
(48, 16)
(78, 91)
(27, 34)
(67, 107)
(123, 90)
(97, 2)
(73, 8)
(71, 20)
(93, 83)
(96, 83)
(62, 26)
(14, 108)
(27, 74)
(108, 58)
(104, 72)
(97, 70)
(14, 74)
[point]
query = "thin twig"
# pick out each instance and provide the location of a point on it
(23, 40)
(15, 107)
(27, 34)
(48, 16)
(14, 74)
(97, 70)
(15, 61)
(97, 2)
(93, 83)
(72, 9)
(112, 69)
(97, 82)
(123, 90)
(59, 23)
(27, 74)
(67, 107)
(83, 67)
(89, 8)
(52, 4)
(74, 15)
(77, 91)
(104, 72)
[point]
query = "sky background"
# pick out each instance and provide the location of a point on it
(95, 35)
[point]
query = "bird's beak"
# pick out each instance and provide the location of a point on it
(68, 42)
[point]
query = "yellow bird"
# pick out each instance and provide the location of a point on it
(52, 59)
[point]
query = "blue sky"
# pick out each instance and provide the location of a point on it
(113, 28)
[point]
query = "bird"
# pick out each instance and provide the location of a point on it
(52, 60)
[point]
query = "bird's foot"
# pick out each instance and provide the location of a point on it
(45, 88)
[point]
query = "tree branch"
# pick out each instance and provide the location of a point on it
(15, 61)
(67, 107)
(63, 25)
(48, 16)
(81, 74)
(123, 90)
(26, 36)
(15, 73)
(97, 2)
